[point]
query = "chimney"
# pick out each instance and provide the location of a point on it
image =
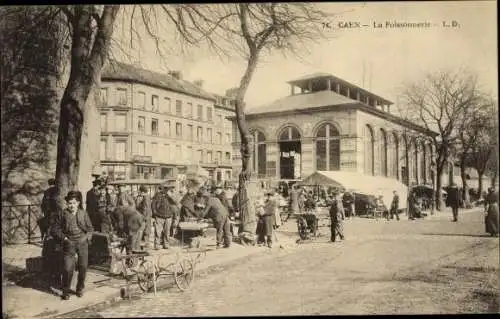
(198, 83)
(176, 74)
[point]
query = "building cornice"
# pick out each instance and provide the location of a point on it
(118, 79)
(343, 107)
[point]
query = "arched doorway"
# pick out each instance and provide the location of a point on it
(290, 153)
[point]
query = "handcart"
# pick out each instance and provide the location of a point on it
(309, 222)
(146, 267)
(195, 228)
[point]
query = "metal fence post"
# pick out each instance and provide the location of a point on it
(29, 224)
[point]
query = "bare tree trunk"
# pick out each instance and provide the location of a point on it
(480, 184)
(68, 146)
(247, 208)
(494, 178)
(89, 50)
(465, 188)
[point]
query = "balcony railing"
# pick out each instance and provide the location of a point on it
(19, 223)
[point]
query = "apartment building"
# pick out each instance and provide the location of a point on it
(154, 124)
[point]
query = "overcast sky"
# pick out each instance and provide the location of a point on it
(395, 56)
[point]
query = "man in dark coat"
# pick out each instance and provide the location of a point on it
(73, 228)
(130, 226)
(394, 206)
(215, 210)
(143, 203)
(165, 210)
(102, 220)
(91, 201)
(124, 198)
(49, 208)
(188, 209)
(454, 200)
(336, 225)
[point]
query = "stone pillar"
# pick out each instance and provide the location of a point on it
(358, 96)
(292, 90)
(308, 157)
(348, 92)
(329, 85)
(337, 88)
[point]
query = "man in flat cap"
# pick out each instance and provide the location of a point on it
(91, 202)
(165, 210)
(49, 208)
(215, 210)
(143, 203)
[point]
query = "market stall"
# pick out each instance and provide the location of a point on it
(360, 184)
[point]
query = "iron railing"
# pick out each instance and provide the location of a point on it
(19, 223)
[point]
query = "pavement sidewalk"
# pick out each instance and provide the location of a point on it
(446, 213)
(24, 295)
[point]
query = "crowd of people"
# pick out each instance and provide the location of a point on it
(142, 222)
(139, 222)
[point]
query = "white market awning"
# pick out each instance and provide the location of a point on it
(360, 183)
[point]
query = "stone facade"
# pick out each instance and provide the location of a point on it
(350, 124)
(199, 134)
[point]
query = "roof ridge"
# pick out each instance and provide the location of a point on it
(126, 71)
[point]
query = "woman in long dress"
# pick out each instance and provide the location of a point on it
(491, 208)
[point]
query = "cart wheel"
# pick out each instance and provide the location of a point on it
(145, 277)
(184, 274)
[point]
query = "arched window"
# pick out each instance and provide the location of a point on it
(327, 148)
(369, 150)
(289, 133)
(395, 156)
(383, 152)
(259, 153)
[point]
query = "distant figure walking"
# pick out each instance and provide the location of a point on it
(454, 200)
(394, 207)
(491, 209)
(336, 224)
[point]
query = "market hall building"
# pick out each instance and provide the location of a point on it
(329, 124)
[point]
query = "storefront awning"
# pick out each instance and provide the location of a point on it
(360, 183)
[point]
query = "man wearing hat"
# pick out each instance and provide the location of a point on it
(143, 204)
(91, 201)
(215, 210)
(124, 198)
(130, 225)
(454, 200)
(73, 229)
(165, 209)
(336, 226)
(270, 209)
(49, 208)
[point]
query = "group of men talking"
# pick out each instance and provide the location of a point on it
(67, 233)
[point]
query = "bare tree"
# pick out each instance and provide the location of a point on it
(475, 141)
(252, 31)
(439, 102)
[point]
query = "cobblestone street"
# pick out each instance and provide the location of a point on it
(384, 267)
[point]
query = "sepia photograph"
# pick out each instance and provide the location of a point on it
(249, 159)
